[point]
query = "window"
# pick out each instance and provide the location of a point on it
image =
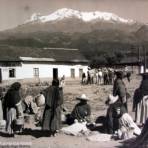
(36, 72)
(72, 73)
(11, 73)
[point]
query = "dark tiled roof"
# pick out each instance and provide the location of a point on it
(8, 53)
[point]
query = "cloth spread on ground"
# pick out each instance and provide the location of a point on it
(75, 129)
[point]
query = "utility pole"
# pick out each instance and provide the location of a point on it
(145, 64)
(139, 58)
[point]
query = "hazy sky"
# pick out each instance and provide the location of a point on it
(15, 12)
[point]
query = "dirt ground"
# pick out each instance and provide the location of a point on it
(72, 89)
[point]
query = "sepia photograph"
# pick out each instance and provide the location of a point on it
(73, 74)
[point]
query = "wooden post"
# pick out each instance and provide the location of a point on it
(0, 75)
(139, 58)
(145, 65)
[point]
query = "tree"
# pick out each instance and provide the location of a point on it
(119, 56)
(98, 61)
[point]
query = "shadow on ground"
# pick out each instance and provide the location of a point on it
(35, 133)
(127, 143)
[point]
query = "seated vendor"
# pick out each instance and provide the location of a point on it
(115, 110)
(119, 121)
(81, 111)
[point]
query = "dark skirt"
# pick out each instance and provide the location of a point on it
(51, 119)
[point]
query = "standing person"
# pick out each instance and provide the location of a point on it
(2, 121)
(119, 88)
(62, 81)
(83, 78)
(100, 76)
(12, 100)
(52, 112)
(110, 75)
(1, 109)
(88, 78)
(128, 75)
(105, 77)
(140, 101)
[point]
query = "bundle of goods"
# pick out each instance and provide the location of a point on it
(40, 100)
(141, 141)
(75, 129)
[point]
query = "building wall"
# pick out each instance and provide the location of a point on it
(45, 71)
(142, 69)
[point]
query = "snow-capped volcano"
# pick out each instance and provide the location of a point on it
(84, 16)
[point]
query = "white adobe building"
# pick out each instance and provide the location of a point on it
(32, 63)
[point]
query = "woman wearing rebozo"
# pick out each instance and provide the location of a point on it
(13, 112)
(52, 113)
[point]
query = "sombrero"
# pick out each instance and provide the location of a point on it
(83, 97)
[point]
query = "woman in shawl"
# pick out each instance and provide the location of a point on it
(118, 120)
(119, 88)
(1, 110)
(115, 110)
(11, 100)
(52, 112)
(140, 101)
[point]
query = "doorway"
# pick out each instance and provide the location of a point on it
(55, 73)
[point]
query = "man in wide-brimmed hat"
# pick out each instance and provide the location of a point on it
(81, 111)
(83, 98)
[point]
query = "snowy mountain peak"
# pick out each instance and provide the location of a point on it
(84, 16)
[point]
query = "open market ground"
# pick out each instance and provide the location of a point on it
(97, 94)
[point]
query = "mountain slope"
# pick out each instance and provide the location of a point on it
(92, 32)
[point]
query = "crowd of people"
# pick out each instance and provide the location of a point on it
(103, 76)
(117, 119)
